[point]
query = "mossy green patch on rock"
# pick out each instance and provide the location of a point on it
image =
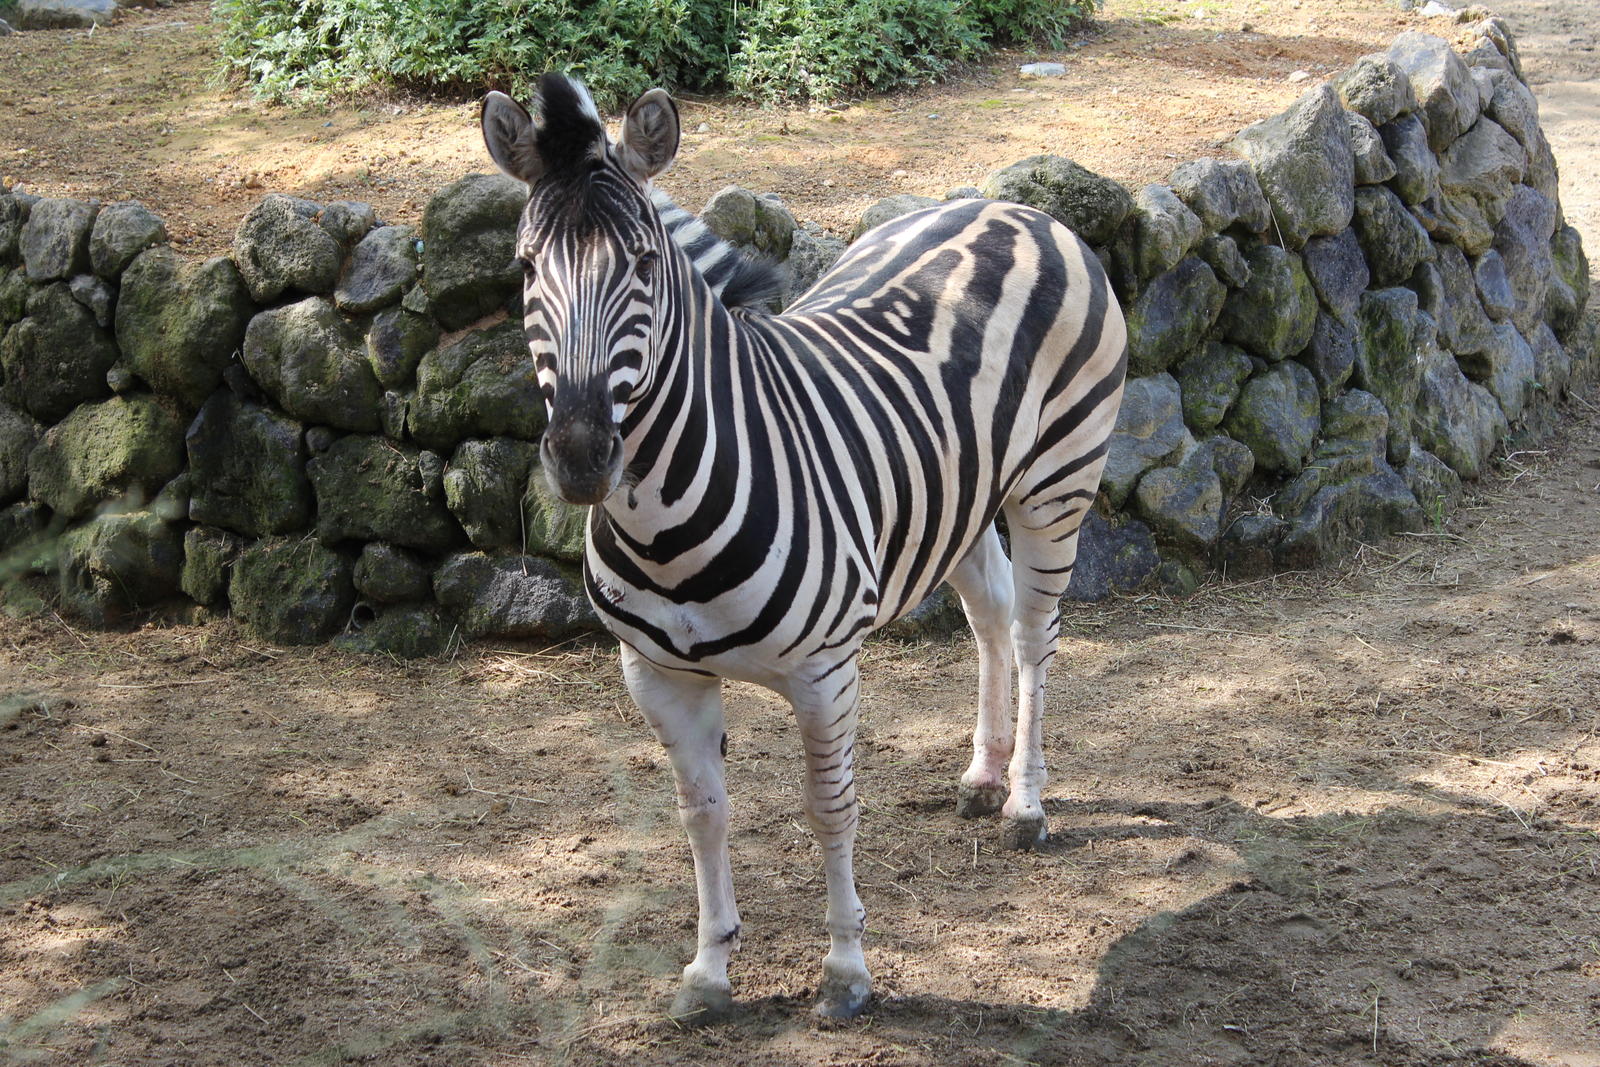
(116, 563)
(483, 385)
(312, 361)
(57, 357)
(468, 262)
(485, 487)
(1210, 379)
(180, 322)
(388, 574)
(1387, 363)
(1172, 315)
(1087, 204)
(370, 489)
(1277, 415)
(1274, 314)
(406, 631)
(293, 592)
(208, 555)
(249, 467)
(128, 445)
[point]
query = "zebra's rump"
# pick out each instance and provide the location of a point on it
(867, 437)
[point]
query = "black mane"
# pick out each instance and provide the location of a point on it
(568, 130)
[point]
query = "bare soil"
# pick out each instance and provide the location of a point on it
(1347, 817)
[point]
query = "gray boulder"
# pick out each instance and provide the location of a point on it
(1436, 487)
(1522, 237)
(1505, 367)
(96, 295)
(18, 435)
(1387, 364)
(117, 563)
(1273, 316)
(1112, 559)
(1331, 355)
(1376, 89)
(312, 362)
(1477, 175)
(1223, 193)
(1339, 515)
(1154, 238)
(1393, 240)
(1498, 33)
(408, 631)
(249, 470)
(123, 447)
(483, 385)
(513, 596)
(1372, 162)
(1210, 379)
(292, 591)
(383, 266)
(121, 231)
(396, 342)
(469, 263)
(1416, 168)
(347, 221)
(180, 323)
(1305, 163)
(1494, 285)
(1221, 253)
(13, 213)
(1515, 109)
(1277, 415)
(391, 575)
(208, 556)
(1338, 272)
(811, 254)
(761, 225)
(63, 14)
(1472, 326)
(1171, 316)
(55, 239)
(370, 489)
(1087, 204)
(1552, 364)
(1183, 504)
(1447, 98)
(57, 357)
(1455, 419)
(280, 248)
(485, 486)
(14, 293)
(1149, 430)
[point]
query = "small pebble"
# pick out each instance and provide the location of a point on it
(1300, 75)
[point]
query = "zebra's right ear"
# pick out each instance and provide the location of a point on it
(508, 134)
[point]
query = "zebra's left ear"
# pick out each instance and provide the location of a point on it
(649, 140)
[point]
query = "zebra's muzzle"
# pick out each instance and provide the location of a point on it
(582, 461)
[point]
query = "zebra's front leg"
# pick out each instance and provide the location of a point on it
(826, 711)
(686, 714)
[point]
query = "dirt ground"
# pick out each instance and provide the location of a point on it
(1347, 817)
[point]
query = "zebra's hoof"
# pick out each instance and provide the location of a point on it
(843, 998)
(701, 1005)
(976, 801)
(1023, 834)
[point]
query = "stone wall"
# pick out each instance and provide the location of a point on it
(332, 431)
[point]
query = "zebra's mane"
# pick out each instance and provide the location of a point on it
(738, 280)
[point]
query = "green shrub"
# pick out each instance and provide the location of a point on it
(765, 49)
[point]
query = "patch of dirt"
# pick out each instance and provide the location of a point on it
(1349, 817)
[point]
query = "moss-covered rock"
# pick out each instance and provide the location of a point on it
(1376, 89)
(1476, 177)
(1112, 558)
(388, 574)
(1455, 419)
(1172, 315)
(1306, 166)
(1506, 367)
(1568, 292)
(468, 260)
(117, 563)
(1393, 240)
(409, 631)
(55, 238)
(180, 322)
(1277, 415)
(1087, 204)
(280, 248)
(57, 357)
(370, 489)
(1274, 315)
(1182, 504)
(763, 226)
(1373, 165)
(312, 362)
(18, 435)
(1223, 193)
(208, 555)
(1156, 236)
(121, 231)
(1149, 430)
(483, 385)
(1387, 364)
(1331, 355)
(249, 468)
(14, 293)
(485, 487)
(1416, 176)
(555, 528)
(125, 446)
(1340, 515)
(382, 267)
(1210, 379)
(396, 342)
(293, 592)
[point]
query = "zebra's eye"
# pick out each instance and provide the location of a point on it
(645, 267)
(526, 264)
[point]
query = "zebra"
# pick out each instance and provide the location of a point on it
(765, 490)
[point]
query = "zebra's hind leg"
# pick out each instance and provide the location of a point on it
(686, 714)
(983, 581)
(1044, 548)
(825, 707)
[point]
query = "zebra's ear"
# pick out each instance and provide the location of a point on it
(508, 134)
(649, 141)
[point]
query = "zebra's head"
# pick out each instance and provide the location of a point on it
(591, 247)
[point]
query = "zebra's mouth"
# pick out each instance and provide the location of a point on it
(582, 468)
